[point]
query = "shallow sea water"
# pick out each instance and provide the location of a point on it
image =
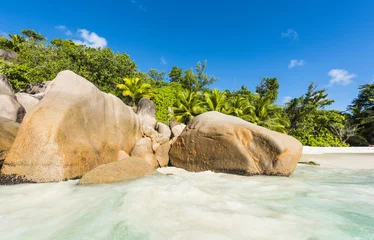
(314, 203)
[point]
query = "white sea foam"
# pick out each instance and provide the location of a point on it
(314, 203)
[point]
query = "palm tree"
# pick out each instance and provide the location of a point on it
(216, 101)
(239, 106)
(267, 115)
(187, 106)
(135, 89)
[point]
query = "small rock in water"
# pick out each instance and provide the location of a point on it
(310, 163)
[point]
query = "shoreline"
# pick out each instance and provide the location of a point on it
(337, 150)
(340, 157)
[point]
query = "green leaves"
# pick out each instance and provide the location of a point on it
(309, 123)
(135, 89)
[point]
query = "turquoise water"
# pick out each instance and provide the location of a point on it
(314, 203)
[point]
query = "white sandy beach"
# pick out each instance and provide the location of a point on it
(340, 157)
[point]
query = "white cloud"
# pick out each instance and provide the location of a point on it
(3, 34)
(296, 63)
(65, 29)
(91, 39)
(286, 99)
(140, 6)
(163, 61)
(290, 34)
(340, 76)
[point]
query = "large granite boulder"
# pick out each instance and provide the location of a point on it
(125, 170)
(222, 143)
(11, 109)
(72, 130)
(8, 131)
(147, 113)
(27, 101)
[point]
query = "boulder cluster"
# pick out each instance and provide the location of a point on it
(69, 129)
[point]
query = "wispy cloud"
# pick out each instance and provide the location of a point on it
(286, 99)
(3, 34)
(91, 39)
(139, 5)
(64, 29)
(296, 63)
(340, 76)
(163, 61)
(290, 34)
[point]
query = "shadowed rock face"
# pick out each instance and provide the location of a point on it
(222, 143)
(72, 130)
(127, 169)
(8, 131)
(11, 109)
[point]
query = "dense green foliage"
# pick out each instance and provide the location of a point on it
(361, 114)
(180, 95)
(40, 61)
(310, 123)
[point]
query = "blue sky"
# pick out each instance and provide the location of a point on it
(329, 42)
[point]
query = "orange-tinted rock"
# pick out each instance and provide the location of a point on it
(222, 143)
(72, 130)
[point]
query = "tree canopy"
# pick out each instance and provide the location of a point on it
(182, 94)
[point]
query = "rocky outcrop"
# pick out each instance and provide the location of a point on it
(128, 169)
(72, 130)
(147, 113)
(8, 131)
(27, 101)
(143, 149)
(7, 55)
(177, 129)
(162, 154)
(222, 143)
(36, 88)
(5, 87)
(163, 129)
(9, 107)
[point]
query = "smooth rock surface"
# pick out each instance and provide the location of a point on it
(11, 109)
(163, 129)
(177, 129)
(147, 112)
(5, 87)
(122, 155)
(72, 130)
(27, 101)
(162, 154)
(128, 169)
(143, 149)
(222, 143)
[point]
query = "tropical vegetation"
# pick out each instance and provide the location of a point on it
(182, 94)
